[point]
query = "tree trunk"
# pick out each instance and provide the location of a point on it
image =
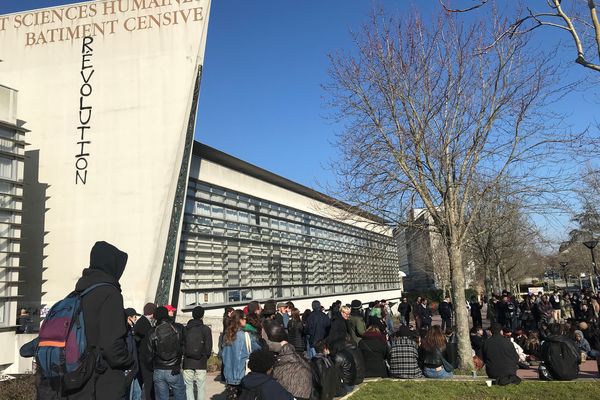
(488, 282)
(459, 300)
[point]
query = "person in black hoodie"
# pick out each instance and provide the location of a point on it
(197, 339)
(106, 325)
(259, 381)
(165, 348)
(500, 357)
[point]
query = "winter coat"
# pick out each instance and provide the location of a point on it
(191, 361)
(500, 357)
(404, 309)
(105, 323)
(234, 357)
(293, 372)
(475, 310)
(346, 366)
(545, 310)
(326, 378)
(356, 325)
(424, 313)
(359, 361)
(375, 353)
(142, 328)
(269, 387)
(338, 330)
(296, 335)
(445, 310)
(317, 325)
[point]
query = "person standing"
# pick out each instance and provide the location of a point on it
(404, 310)
(134, 391)
(356, 322)
(317, 327)
(425, 315)
(237, 347)
(446, 313)
(165, 342)
(296, 332)
(106, 327)
(476, 312)
(197, 339)
(142, 328)
(417, 313)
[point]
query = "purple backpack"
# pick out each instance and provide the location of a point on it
(63, 355)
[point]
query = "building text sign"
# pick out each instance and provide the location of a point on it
(106, 89)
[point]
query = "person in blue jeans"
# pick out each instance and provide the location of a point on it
(165, 352)
(433, 355)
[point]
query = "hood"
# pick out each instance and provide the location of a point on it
(559, 339)
(195, 322)
(91, 277)
(577, 332)
(107, 258)
(254, 379)
(316, 305)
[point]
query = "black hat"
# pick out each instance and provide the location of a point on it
(198, 312)
(356, 304)
(261, 361)
(161, 313)
(130, 312)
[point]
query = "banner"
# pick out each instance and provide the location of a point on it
(107, 90)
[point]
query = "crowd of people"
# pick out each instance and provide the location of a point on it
(276, 351)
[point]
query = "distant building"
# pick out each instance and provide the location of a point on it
(12, 155)
(423, 257)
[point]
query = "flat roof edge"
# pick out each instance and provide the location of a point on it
(211, 154)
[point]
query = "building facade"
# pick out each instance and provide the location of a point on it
(249, 234)
(12, 154)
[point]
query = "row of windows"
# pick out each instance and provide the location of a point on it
(237, 248)
(229, 296)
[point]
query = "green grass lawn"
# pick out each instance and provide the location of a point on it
(477, 390)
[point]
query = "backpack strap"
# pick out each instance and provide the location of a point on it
(89, 289)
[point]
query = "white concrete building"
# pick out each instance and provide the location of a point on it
(12, 154)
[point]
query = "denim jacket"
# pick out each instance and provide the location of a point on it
(235, 356)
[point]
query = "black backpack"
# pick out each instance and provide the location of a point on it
(252, 394)
(195, 339)
(561, 359)
(168, 342)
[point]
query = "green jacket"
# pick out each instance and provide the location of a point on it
(356, 323)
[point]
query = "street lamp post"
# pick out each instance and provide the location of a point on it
(563, 265)
(590, 245)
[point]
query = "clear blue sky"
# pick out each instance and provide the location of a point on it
(261, 98)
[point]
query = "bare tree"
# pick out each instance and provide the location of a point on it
(427, 114)
(578, 18)
(503, 243)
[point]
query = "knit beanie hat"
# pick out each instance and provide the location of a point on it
(149, 308)
(198, 312)
(161, 313)
(261, 361)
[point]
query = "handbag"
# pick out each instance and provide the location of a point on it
(249, 348)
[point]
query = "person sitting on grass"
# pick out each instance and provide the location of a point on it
(432, 355)
(500, 358)
(326, 377)
(404, 355)
(584, 346)
(560, 356)
(259, 382)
